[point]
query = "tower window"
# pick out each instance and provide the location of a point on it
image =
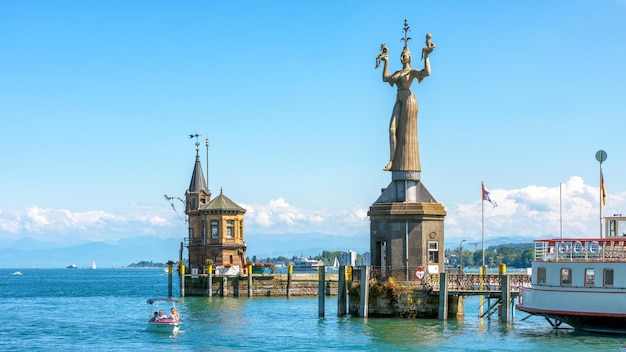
(433, 252)
(215, 229)
(230, 229)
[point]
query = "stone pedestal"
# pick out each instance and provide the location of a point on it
(406, 229)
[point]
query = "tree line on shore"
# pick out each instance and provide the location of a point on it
(514, 255)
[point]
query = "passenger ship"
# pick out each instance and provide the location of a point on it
(580, 281)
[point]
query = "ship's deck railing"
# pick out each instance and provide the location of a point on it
(584, 249)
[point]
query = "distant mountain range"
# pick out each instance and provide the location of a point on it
(30, 253)
(27, 253)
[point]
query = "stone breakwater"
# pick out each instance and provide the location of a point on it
(275, 285)
(386, 299)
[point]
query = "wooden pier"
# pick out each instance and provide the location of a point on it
(498, 291)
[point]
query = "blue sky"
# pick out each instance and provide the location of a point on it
(97, 100)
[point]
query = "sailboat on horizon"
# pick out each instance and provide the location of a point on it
(93, 265)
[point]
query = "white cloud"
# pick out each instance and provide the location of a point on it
(525, 213)
(63, 224)
(533, 212)
(278, 216)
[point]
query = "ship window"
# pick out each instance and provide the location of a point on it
(215, 229)
(541, 276)
(566, 276)
(230, 228)
(608, 277)
(590, 277)
(433, 252)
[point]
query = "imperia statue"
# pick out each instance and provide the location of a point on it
(404, 151)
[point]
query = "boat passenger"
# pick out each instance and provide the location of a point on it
(155, 316)
(174, 314)
(161, 315)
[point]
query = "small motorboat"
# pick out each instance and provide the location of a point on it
(17, 273)
(167, 323)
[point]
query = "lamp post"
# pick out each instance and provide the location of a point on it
(461, 257)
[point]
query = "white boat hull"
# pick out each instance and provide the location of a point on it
(571, 286)
(163, 327)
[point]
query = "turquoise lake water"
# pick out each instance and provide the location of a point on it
(105, 310)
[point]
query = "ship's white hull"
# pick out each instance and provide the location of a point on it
(587, 293)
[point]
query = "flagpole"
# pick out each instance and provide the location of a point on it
(601, 185)
(482, 211)
(601, 156)
(560, 210)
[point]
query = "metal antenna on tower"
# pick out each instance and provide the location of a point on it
(207, 166)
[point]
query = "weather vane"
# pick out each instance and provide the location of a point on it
(197, 142)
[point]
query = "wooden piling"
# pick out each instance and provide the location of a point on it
(169, 278)
(481, 301)
(250, 280)
(289, 271)
(321, 298)
(365, 291)
(341, 292)
(348, 285)
(443, 296)
(209, 279)
(505, 311)
(182, 279)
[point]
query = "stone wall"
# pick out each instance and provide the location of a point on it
(262, 285)
(405, 299)
(390, 298)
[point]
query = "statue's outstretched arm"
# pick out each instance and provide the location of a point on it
(430, 46)
(426, 71)
(384, 58)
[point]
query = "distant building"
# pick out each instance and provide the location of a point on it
(348, 258)
(367, 258)
(216, 226)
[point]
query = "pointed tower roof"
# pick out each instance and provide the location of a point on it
(221, 203)
(198, 183)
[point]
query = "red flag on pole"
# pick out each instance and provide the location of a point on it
(486, 196)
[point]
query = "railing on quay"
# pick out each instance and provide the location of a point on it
(457, 282)
(194, 242)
